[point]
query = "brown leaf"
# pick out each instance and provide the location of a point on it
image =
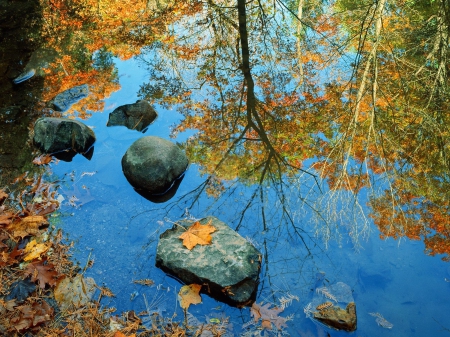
(3, 196)
(197, 234)
(27, 226)
(5, 218)
(9, 258)
(42, 272)
(32, 315)
(189, 294)
(268, 315)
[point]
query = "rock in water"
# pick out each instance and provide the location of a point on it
(338, 318)
(65, 99)
(228, 267)
(137, 116)
(53, 135)
(153, 164)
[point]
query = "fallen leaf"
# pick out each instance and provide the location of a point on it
(21, 289)
(42, 159)
(32, 315)
(34, 250)
(77, 291)
(5, 218)
(189, 294)
(144, 282)
(42, 272)
(3, 196)
(29, 225)
(9, 258)
(268, 316)
(197, 234)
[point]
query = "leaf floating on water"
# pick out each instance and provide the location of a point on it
(189, 294)
(197, 234)
(268, 316)
(144, 282)
(381, 321)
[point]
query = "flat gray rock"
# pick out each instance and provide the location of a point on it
(228, 268)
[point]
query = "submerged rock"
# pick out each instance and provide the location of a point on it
(333, 305)
(228, 267)
(338, 318)
(152, 164)
(137, 116)
(65, 99)
(53, 135)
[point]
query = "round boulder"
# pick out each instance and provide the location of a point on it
(152, 164)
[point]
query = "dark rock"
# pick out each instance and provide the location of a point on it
(338, 318)
(65, 99)
(137, 116)
(53, 135)
(153, 164)
(228, 268)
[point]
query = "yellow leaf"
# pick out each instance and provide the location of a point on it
(188, 295)
(197, 234)
(34, 250)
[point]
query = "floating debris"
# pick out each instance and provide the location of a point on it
(381, 321)
(325, 292)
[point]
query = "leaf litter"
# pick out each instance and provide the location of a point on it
(45, 294)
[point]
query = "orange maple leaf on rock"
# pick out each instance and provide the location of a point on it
(197, 234)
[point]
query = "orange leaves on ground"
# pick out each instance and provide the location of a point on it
(8, 258)
(43, 272)
(3, 196)
(268, 316)
(30, 316)
(120, 334)
(197, 234)
(29, 225)
(189, 294)
(34, 250)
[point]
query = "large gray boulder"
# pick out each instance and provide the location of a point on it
(53, 135)
(153, 164)
(228, 268)
(137, 116)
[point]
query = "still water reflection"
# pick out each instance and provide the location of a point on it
(313, 129)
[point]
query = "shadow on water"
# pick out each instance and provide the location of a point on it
(20, 25)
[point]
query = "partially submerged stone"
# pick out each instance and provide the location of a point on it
(153, 164)
(57, 135)
(228, 268)
(137, 116)
(338, 318)
(333, 305)
(65, 99)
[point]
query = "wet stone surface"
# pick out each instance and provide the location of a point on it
(137, 116)
(53, 135)
(228, 268)
(153, 164)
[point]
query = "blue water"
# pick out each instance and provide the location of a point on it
(119, 229)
